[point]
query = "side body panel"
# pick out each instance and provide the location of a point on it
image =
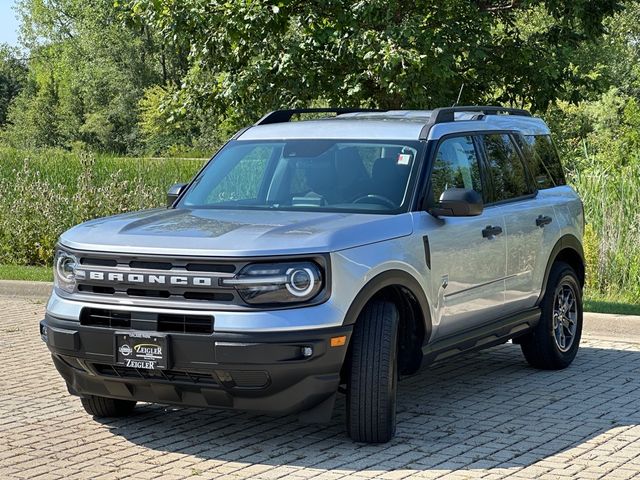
(467, 269)
(528, 253)
(354, 268)
(528, 248)
(568, 210)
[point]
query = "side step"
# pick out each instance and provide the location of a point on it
(485, 336)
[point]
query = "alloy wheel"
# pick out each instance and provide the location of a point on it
(565, 316)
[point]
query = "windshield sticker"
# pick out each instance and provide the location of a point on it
(404, 159)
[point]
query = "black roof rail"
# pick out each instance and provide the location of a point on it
(447, 114)
(282, 116)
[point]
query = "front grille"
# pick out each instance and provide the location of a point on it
(250, 378)
(99, 317)
(138, 292)
(150, 265)
(154, 281)
(99, 262)
(177, 376)
(213, 268)
(159, 322)
(97, 289)
(155, 265)
(211, 296)
(185, 323)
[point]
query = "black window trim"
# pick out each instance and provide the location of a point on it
(485, 165)
(557, 152)
(549, 137)
(546, 169)
(424, 199)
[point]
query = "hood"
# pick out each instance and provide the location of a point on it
(234, 233)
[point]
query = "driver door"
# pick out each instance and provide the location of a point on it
(468, 265)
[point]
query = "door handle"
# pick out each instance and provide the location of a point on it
(543, 220)
(490, 232)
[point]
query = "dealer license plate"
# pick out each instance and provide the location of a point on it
(142, 350)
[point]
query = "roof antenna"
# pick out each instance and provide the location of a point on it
(459, 95)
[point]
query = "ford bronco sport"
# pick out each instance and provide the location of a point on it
(321, 256)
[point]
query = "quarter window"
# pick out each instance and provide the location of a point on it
(455, 166)
(506, 168)
(542, 158)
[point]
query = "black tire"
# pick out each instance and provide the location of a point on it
(373, 374)
(107, 407)
(540, 347)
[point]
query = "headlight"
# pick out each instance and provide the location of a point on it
(277, 282)
(64, 269)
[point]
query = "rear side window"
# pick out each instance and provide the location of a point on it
(542, 158)
(506, 169)
(456, 166)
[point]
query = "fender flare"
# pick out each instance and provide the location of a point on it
(565, 242)
(387, 279)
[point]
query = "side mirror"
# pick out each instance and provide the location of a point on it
(174, 192)
(458, 202)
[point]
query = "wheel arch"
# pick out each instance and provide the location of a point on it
(405, 291)
(567, 249)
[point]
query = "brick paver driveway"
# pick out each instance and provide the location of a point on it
(484, 415)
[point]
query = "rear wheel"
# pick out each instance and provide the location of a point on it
(373, 374)
(107, 407)
(554, 342)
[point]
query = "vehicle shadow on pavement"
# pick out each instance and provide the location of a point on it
(482, 410)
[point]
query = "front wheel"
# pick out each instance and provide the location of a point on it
(373, 374)
(107, 407)
(554, 342)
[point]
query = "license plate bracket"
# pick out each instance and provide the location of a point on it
(143, 350)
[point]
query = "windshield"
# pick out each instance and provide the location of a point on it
(321, 175)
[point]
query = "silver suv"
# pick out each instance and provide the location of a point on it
(326, 256)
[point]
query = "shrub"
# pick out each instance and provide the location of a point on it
(45, 192)
(600, 146)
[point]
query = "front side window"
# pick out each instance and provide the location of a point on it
(324, 175)
(507, 171)
(455, 166)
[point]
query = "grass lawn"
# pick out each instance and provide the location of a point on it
(621, 307)
(18, 272)
(45, 274)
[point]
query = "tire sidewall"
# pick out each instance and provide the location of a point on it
(393, 385)
(382, 423)
(561, 274)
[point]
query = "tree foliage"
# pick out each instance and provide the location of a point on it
(13, 76)
(87, 70)
(252, 56)
(147, 75)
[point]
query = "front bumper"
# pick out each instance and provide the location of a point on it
(263, 372)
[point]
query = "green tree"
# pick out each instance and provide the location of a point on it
(13, 76)
(89, 66)
(249, 57)
(132, 75)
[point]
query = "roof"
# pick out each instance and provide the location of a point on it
(393, 125)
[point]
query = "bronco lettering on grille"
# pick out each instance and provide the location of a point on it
(149, 279)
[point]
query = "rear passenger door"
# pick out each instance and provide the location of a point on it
(528, 217)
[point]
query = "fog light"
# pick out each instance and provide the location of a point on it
(43, 333)
(307, 351)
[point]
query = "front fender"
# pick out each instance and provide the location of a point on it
(359, 273)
